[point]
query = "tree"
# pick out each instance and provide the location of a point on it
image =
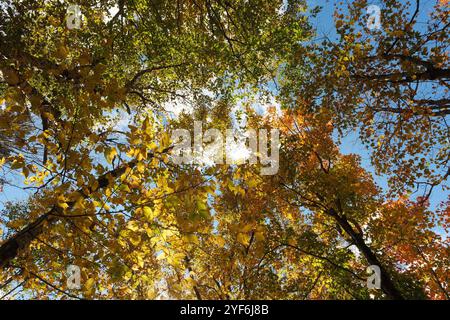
(389, 83)
(108, 198)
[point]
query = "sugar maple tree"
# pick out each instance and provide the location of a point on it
(108, 198)
(390, 83)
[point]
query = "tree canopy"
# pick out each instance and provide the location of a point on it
(88, 108)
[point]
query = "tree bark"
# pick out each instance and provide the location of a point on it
(387, 285)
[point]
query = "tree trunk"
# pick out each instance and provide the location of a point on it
(22, 239)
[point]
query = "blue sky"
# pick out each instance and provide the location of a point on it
(325, 27)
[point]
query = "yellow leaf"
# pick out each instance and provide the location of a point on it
(259, 236)
(61, 52)
(140, 167)
(133, 226)
(220, 241)
(11, 76)
(62, 202)
(161, 256)
(192, 238)
(135, 239)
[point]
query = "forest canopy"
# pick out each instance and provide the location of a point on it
(257, 200)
